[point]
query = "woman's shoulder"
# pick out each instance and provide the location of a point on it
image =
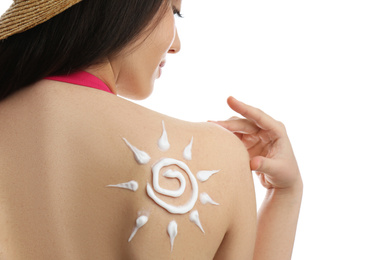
(94, 158)
(213, 162)
(215, 167)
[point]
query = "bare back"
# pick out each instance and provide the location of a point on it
(75, 166)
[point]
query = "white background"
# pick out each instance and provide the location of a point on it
(321, 67)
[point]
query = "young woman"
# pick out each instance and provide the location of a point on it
(85, 174)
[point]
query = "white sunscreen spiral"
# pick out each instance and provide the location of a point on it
(172, 232)
(180, 177)
(138, 224)
(205, 198)
(163, 143)
(194, 217)
(187, 154)
(131, 185)
(140, 156)
(156, 186)
(205, 175)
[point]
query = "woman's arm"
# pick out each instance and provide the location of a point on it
(272, 158)
(277, 222)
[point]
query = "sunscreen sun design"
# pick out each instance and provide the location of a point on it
(142, 158)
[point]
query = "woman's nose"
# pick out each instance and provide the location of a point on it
(176, 45)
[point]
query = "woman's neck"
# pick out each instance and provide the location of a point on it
(105, 73)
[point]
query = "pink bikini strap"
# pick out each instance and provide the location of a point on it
(82, 78)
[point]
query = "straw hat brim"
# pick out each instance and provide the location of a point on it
(26, 14)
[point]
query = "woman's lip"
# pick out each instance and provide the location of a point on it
(162, 64)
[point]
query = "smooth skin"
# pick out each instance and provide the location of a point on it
(62, 145)
(272, 158)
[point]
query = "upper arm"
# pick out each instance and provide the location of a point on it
(239, 240)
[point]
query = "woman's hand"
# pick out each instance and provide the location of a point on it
(270, 151)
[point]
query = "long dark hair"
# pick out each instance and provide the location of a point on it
(77, 38)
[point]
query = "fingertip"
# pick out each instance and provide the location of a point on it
(255, 163)
(218, 123)
(214, 121)
(230, 98)
(234, 104)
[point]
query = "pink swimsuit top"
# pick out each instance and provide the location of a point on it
(84, 79)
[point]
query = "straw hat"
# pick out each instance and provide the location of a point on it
(26, 14)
